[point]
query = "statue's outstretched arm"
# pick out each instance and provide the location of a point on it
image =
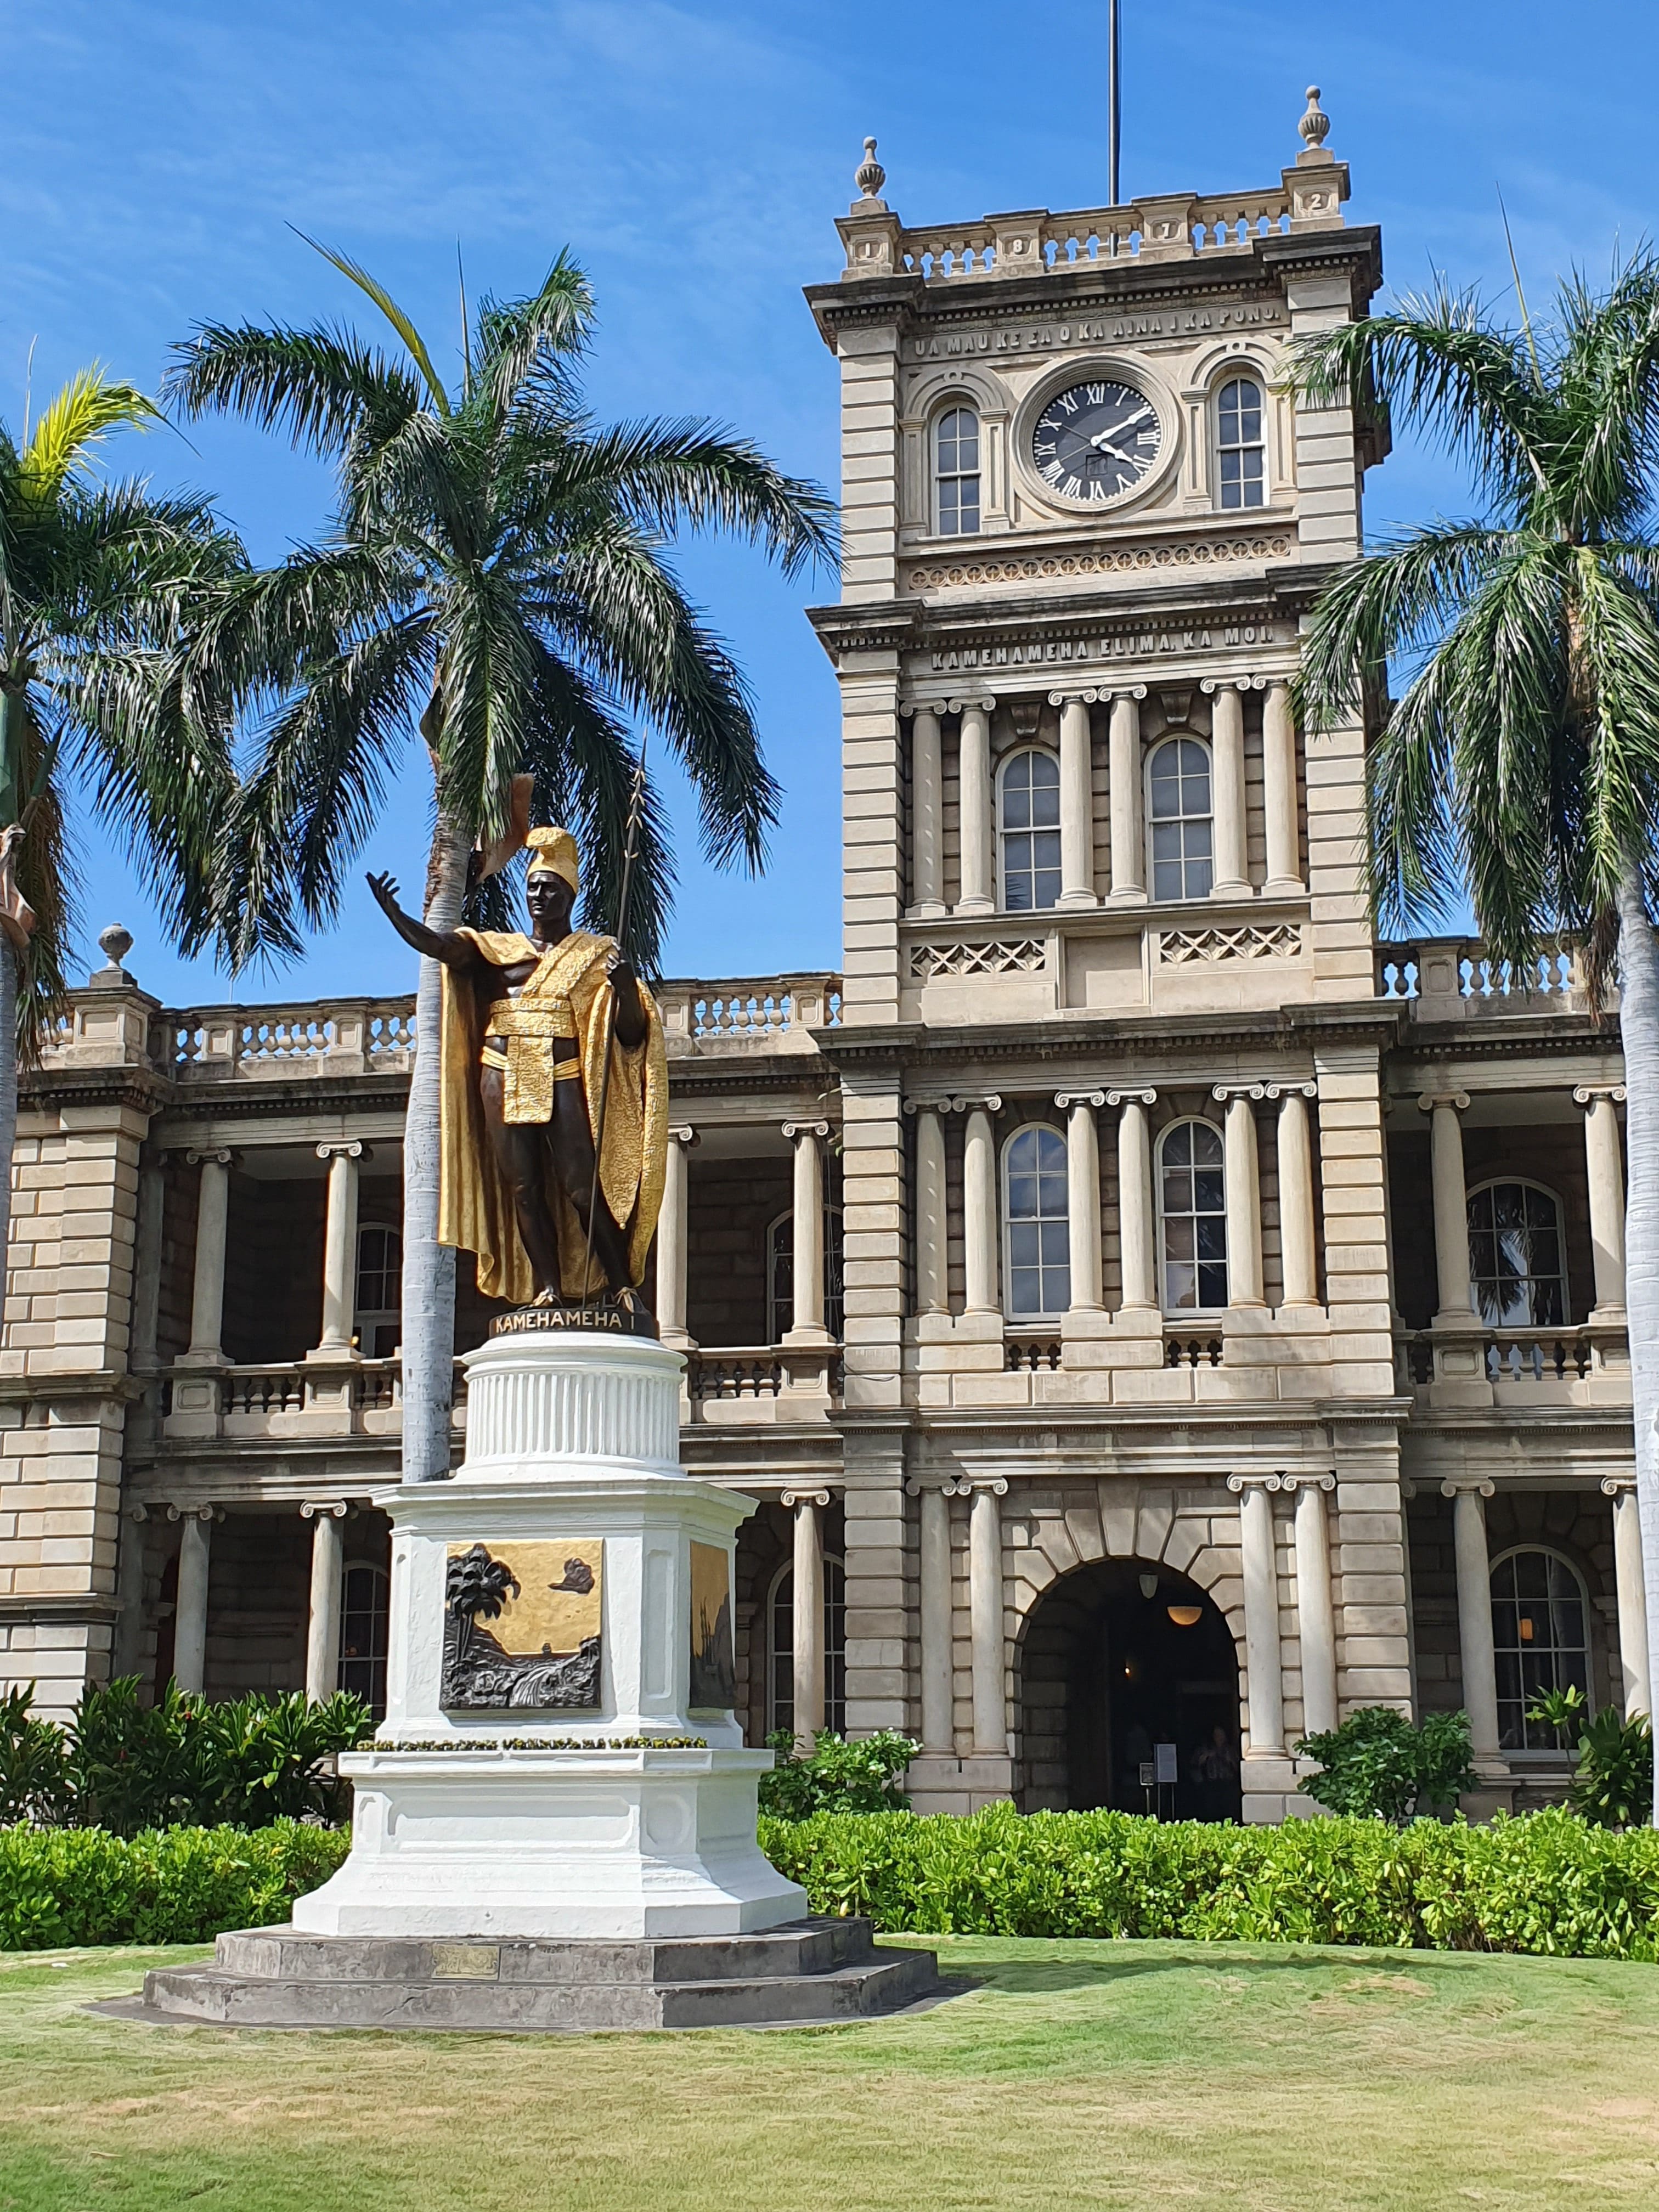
(454, 951)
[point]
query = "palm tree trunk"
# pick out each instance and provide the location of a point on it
(7, 1102)
(1638, 1017)
(428, 1317)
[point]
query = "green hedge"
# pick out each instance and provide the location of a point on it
(166, 1886)
(1545, 1882)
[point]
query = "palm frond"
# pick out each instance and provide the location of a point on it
(323, 389)
(80, 417)
(372, 289)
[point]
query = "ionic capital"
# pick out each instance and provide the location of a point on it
(1586, 1094)
(219, 1157)
(344, 1148)
(1214, 683)
(196, 1513)
(1064, 1098)
(1482, 1486)
(792, 1497)
(1615, 1486)
(1131, 1097)
(961, 706)
(331, 1509)
(684, 1134)
(1307, 1482)
(965, 1486)
(793, 1129)
(1277, 1480)
(1308, 1090)
(1223, 1093)
(1074, 698)
(1430, 1099)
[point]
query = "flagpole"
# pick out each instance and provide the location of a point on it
(1114, 101)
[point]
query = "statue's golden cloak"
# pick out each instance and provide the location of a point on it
(568, 990)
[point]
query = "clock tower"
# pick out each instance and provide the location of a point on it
(1108, 1044)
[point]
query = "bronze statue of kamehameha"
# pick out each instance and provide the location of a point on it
(528, 1024)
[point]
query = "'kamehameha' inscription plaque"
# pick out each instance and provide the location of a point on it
(521, 1627)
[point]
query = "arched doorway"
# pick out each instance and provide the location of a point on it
(1116, 1658)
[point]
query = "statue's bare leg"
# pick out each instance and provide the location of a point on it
(571, 1142)
(520, 1150)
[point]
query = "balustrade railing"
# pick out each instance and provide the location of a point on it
(1456, 979)
(1085, 238)
(1584, 1360)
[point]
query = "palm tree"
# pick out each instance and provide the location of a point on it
(1520, 766)
(101, 680)
(494, 578)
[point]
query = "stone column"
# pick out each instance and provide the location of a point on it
(1077, 801)
(1316, 1622)
(1128, 843)
(937, 1671)
(933, 1276)
(1263, 1659)
(978, 888)
(979, 1209)
(207, 1300)
(340, 1248)
(327, 1577)
(807, 1267)
(1474, 1616)
(1297, 1248)
(1137, 1236)
(190, 1612)
(1279, 795)
(1243, 1193)
(673, 1241)
(1605, 1161)
(807, 1672)
(985, 1614)
(1083, 1197)
(1232, 875)
(927, 785)
(1631, 1586)
(1451, 1205)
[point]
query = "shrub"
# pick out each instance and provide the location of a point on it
(1614, 1784)
(171, 1885)
(1379, 1763)
(126, 1766)
(861, 1776)
(1545, 1882)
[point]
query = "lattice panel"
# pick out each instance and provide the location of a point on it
(1023, 956)
(1281, 941)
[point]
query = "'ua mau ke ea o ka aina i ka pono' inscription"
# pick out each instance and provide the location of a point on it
(1112, 645)
(1099, 330)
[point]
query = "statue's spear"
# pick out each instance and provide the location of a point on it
(631, 844)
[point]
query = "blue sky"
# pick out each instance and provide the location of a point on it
(694, 156)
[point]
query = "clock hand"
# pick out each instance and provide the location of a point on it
(1103, 444)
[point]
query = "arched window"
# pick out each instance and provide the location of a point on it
(365, 1599)
(956, 472)
(1539, 1638)
(1033, 1226)
(781, 1648)
(1179, 815)
(1517, 1262)
(1029, 786)
(1192, 1204)
(379, 1289)
(1241, 450)
(780, 1275)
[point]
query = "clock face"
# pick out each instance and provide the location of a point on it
(1094, 441)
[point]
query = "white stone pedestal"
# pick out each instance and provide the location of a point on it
(465, 1824)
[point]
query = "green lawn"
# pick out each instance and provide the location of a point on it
(1075, 2074)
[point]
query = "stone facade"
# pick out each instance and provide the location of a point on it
(932, 1238)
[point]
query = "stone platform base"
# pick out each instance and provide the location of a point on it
(808, 1972)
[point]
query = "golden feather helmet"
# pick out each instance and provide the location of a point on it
(553, 853)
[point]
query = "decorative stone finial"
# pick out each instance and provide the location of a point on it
(870, 176)
(1315, 125)
(116, 943)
